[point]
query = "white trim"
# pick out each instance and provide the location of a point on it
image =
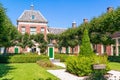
(117, 53)
(48, 52)
(53, 53)
(31, 23)
(69, 49)
(78, 49)
(102, 49)
(111, 50)
(21, 14)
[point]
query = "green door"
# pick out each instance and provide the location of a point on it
(16, 50)
(51, 52)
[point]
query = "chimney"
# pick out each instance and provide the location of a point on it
(109, 9)
(85, 20)
(73, 24)
(32, 7)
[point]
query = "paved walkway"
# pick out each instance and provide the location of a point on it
(114, 75)
(59, 64)
(63, 75)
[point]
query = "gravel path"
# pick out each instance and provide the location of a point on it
(62, 75)
(59, 64)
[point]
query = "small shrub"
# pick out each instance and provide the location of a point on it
(61, 56)
(99, 74)
(80, 66)
(21, 58)
(45, 63)
(83, 65)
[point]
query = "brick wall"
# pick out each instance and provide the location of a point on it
(37, 25)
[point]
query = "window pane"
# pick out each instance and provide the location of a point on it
(42, 29)
(23, 30)
(33, 30)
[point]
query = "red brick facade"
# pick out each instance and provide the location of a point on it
(38, 27)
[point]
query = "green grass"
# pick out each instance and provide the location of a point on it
(24, 71)
(114, 66)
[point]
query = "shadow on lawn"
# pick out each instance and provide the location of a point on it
(4, 70)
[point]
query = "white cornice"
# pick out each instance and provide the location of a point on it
(30, 23)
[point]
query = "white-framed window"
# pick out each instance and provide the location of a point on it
(32, 30)
(23, 30)
(42, 29)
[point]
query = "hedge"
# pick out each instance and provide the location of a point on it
(61, 56)
(114, 58)
(21, 58)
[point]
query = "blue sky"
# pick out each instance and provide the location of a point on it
(60, 13)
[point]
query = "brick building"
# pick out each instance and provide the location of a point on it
(33, 22)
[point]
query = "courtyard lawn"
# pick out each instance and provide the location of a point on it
(114, 66)
(24, 71)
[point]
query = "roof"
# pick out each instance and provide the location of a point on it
(56, 30)
(115, 35)
(26, 16)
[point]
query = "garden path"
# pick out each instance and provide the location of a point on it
(63, 75)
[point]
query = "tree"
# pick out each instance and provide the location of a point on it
(72, 43)
(85, 48)
(8, 32)
(39, 38)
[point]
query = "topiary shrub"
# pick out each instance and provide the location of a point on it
(85, 47)
(21, 58)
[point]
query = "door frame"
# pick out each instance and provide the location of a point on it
(49, 53)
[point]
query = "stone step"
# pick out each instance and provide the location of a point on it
(55, 60)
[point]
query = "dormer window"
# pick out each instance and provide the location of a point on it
(33, 16)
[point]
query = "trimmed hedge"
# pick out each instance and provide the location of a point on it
(114, 58)
(21, 58)
(61, 56)
(45, 63)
